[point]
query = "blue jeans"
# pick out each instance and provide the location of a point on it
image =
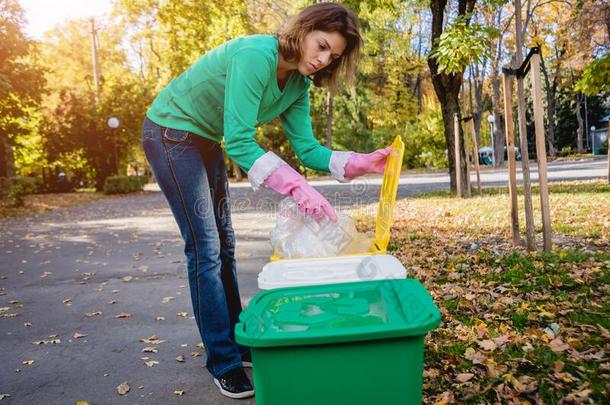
(191, 172)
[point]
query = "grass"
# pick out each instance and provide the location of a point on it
(537, 322)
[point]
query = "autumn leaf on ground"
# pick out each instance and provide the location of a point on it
(47, 342)
(123, 388)
(160, 318)
(182, 314)
(475, 356)
(179, 392)
(3, 396)
(463, 377)
(150, 349)
(180, 359)
(557, 345)
(27, 362)
(127, 279)
(165, 300)
(79, 335)
(122, 315)
(151, 363)
(67, 302)
(488, 345)
(92, 314)
(152, 340)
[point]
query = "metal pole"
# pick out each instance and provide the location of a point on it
(116, 154)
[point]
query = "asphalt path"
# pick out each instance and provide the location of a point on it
(114, 271)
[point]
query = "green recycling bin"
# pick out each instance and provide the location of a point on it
(348, 343)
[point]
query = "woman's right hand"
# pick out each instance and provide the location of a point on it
(287, 181)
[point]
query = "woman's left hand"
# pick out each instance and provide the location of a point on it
(360, 164)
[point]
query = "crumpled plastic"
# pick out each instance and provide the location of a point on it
(298, 235)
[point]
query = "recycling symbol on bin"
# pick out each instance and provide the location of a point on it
(321, 309)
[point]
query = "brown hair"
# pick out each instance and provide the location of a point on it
(327, 17)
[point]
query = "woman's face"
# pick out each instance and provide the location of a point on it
(320, 49)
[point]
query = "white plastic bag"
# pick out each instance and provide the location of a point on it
(297, 235)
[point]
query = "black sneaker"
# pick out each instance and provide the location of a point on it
(235, 384)
(246, 360)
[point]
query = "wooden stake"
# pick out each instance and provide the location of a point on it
(525, 165)
(467, 150)
(466, 143)
(475, 150)
(509, 127)
(541, 152)
(458, 161)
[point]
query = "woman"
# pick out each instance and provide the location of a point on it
(233, 88)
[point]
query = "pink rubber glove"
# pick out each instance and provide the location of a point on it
(359, 164)
(287, 181)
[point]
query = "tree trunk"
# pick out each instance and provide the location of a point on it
(447, 88)
(7, 160)
(329, 120)
(580, 130)
(3, 155)
(236, 172)
(499, 134)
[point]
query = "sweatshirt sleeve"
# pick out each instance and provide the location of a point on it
(248, 74)
(296, 123)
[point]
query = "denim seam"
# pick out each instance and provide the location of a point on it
(171, 168)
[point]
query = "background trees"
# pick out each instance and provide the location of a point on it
(422, 63)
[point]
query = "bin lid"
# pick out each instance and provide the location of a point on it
(327, 270)
(387, 198)
(335, 313)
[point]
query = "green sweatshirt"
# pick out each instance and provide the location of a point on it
(233, 89)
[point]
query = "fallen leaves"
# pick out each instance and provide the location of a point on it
(150, 349)
(151, 363)
(179, 392)
(54, 340)
(180, 359)
(464, 377)
(166, 300)
(488, 345)
(152, 340)
(557, 345)
(78, 335)
(512, 321)
(122, 315)
(92, 314)
(123, 388)
(474, 356)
